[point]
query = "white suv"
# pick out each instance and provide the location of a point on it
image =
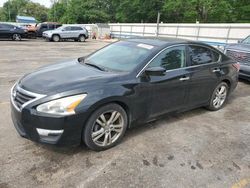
(77, 33)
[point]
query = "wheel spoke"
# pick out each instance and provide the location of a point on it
(222, 89)
(105, 141)
(99, 122)
(98, 134)
(115, 117)
(103, 118)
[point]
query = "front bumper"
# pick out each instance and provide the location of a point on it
(65, 131)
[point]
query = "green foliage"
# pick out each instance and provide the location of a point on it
(24, 8)
(94, 11)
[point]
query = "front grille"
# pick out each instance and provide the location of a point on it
(21, 97)
(241, 57)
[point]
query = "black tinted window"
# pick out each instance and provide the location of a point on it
(58, 26)
(172, 58)
(200, 55)
(44, 26)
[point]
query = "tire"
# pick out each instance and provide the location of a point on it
(16, 37)
(81, 38)
(56, 38)
(219, 97)
(105, 127)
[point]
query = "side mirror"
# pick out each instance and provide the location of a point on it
(155, 71)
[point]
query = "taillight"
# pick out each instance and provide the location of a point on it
(237, 66)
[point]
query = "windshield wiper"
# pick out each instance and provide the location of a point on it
(96, 66)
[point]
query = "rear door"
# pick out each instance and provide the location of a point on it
(66, 32)
(77, 31)
(170, 89)
(205, 72)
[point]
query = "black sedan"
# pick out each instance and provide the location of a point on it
(8, 31)
(241, 53)
(95, 99)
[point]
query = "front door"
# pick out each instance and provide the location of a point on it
(169, 91)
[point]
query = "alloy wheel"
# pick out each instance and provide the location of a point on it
(56, 38)
(81, 38)
(107, 128)
(17, 37)
(220, 96)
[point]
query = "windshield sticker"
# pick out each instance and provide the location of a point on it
(149, 47)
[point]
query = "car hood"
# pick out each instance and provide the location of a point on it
(240, 47)
(62, 77)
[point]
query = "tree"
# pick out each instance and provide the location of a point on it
(2, 15)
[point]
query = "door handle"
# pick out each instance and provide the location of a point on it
(216, 70)
(184, 78)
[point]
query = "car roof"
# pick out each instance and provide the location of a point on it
(164, 41)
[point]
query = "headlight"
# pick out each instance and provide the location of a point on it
(63, 106)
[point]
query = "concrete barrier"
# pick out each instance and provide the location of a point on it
(215, 33)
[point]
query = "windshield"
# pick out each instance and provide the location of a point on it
(121, 56)
(246, 40)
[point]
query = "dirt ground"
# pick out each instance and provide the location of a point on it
(198, 148)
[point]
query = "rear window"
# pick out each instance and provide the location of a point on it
(200, 55)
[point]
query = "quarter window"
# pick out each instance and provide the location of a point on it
(200, 55)
(170, 59)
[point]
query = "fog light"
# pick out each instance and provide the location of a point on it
(46, 132)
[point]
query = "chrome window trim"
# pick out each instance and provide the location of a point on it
(193, 66)
(18, 88)
(231, 49)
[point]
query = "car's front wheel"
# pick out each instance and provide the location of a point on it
(106, 127)
(16, 37)
(219, 97)
(56, 38)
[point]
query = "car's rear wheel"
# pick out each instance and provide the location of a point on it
(81, 38)
(16, 37)
(56, 38)
(106, 127)
(219, 97)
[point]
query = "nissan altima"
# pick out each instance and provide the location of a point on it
(95, 99)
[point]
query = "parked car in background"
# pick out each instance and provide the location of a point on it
(75, 32)
(94, 99)
(241, 53)
(46, 26)
(31, 30)
(9, 31)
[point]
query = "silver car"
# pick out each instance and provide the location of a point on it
(75, 32)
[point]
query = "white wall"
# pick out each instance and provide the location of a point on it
(222, 33)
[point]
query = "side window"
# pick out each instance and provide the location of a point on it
(200, 55)
(44, 26)
(51, 26)
(58, 26)
(76, 28)
(67, 29)
(172, 58)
